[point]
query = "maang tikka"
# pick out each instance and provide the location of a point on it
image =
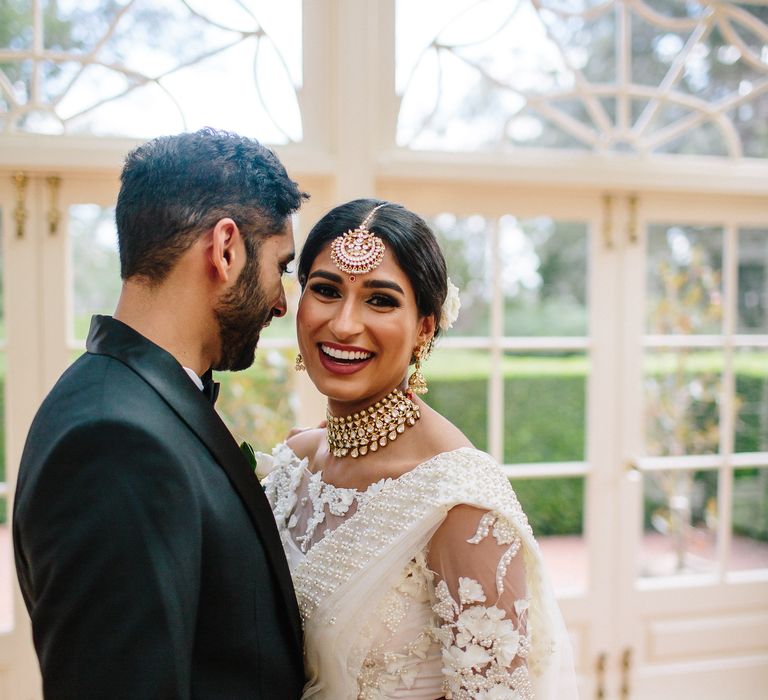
(358, 251)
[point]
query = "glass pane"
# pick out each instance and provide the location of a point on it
(753, 281)
(284, 328)
(2, 370)
(2, 285)
(94, 263)
(653, 52)
(258, 404)
(458, 389)
(16, 27)
(465, 242)
(681, 394)
(684, 279)
(499, 74)
(544, 276)
(453, 70)
(157, 66)
(2, 428)
(679, 523)
(544, 407)
(555, 509)
(749, 546)
(751, 368)
(6, 548)
(6, 568)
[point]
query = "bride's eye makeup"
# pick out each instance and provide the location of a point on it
(383, 300)
(325, 290)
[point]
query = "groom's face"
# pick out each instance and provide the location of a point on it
(256, 297)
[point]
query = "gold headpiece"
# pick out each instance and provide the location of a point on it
(358, 251)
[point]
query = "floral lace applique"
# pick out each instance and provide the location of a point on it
(480, 645)
(337, 499)
(384, 672)
(505, 533)
(281, 484)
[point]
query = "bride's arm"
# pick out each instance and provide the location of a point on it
(482, 603)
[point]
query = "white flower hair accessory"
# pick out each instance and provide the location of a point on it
(451, 306)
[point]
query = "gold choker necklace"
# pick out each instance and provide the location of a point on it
(372, 427)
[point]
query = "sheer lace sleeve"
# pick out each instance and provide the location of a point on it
(482, 604)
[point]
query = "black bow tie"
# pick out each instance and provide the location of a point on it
(210, 388)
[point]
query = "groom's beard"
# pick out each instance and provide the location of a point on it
(241, 314)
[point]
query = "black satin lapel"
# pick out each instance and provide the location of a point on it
(161, 371)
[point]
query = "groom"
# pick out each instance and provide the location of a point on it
(146, 550)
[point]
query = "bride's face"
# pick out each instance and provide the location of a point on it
(357, 337)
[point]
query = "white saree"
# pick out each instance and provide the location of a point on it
(425, 586)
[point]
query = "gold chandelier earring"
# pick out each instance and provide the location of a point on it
(416, 382)
(299, 366)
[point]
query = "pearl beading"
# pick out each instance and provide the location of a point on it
(388, 510)
(461, 476)
(504, 533)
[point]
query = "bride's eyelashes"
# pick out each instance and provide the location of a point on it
(325, 290)
(383, 300)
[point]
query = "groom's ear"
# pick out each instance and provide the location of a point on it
(226, 250)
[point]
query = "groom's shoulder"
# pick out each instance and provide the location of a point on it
(97, 388)
(97, 376)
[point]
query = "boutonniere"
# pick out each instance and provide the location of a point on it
(249, 453)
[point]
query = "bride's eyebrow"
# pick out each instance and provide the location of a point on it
(383, 284)
(326, 275)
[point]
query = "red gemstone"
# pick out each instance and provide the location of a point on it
(352, 278)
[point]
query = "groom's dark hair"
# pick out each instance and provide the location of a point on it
(175, 188)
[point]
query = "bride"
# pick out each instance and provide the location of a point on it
(415, 568)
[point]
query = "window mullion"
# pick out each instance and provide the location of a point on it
(496, 379)
(727, 396)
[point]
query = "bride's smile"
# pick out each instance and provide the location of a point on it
(343, 359)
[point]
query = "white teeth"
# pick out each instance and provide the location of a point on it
(345, 354)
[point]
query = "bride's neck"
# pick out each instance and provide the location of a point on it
(340, 408)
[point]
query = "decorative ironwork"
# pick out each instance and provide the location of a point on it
(607, 221)
(647, 76)
(20, 181)
(54, 213)
(106, 68)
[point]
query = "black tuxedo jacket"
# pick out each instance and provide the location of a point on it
(146, 550)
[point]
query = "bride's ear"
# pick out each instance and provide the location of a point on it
(426, 330)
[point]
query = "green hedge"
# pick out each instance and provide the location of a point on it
(3, 501)
(544, 422)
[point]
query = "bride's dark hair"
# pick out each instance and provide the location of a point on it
(404, 233)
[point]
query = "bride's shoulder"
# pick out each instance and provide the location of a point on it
(306, 443)
(439, 434)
